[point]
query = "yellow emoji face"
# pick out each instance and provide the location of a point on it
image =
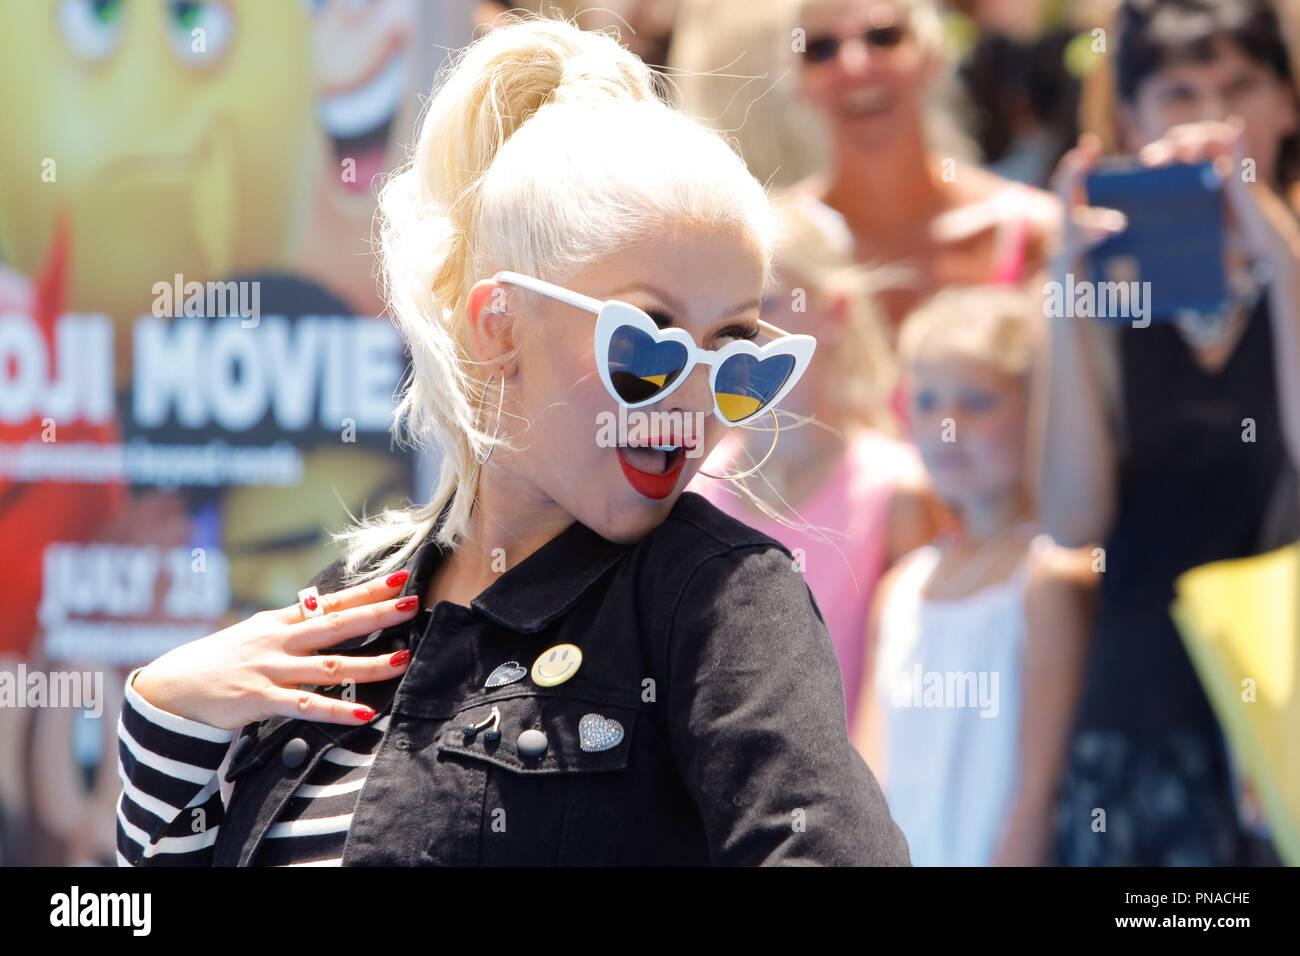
(168, 137)
(556, 665)
(364, 59)
(366, 63)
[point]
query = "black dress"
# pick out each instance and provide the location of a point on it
(1193, 488)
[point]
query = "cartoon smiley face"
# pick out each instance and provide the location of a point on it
(556, 665)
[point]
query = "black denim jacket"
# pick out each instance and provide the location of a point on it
(701, 640)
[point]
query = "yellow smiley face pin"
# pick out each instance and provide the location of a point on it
(556, 665)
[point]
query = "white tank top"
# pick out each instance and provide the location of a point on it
(947, 683)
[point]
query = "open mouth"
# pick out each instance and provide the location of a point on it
(652, 470)
(359, 121)
(866, 101)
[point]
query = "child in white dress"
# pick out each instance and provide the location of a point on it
(979, 637)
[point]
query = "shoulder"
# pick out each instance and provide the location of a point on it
(908, 565)
(916, 512)
(873, 450)
(697, 529)
(705, 567)
(1058, 575)
(988, 200)
(1012, 197)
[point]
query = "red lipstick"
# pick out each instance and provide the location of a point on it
(650, 484)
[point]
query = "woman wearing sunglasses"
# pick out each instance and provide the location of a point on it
(866, 66)
(561, 658)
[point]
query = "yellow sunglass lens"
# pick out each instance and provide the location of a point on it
(735, 407)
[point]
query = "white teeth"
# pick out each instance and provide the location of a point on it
(868, 98)
(361, 110)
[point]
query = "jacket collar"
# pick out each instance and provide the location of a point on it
(551, 580)
(542, 587)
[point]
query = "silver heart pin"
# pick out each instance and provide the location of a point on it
(599, 733)
(507, 673)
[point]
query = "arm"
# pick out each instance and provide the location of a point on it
(1077, 459)
(866, 725)
(1284, 300)
(1058, 617)
(1072, 432)
(756, 718)
(170, 808)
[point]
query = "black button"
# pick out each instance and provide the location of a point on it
(294, 752)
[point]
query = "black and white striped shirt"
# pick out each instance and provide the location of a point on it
(171, 807)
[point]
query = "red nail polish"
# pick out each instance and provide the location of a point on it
(400, 658)
(310, 601)
(364, 713)
(406, 603)
(397, 579)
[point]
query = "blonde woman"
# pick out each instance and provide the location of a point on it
(561, 658)
(844, 496)
(865, 66)
(980, 637)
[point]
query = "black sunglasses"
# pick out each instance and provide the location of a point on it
(823, 49)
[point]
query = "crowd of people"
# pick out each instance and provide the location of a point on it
(975, 484)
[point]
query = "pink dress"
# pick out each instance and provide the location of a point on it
(851, 510)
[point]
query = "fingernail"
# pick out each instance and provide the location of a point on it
(406, 603)
(310, 601)
(364, 713)
(397, 579)
(400, 658)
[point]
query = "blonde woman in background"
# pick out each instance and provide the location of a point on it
(846, 498)
(980, 637)
(865, 66)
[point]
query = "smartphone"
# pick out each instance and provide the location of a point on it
(1172, 252)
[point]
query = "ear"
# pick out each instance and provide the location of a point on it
(491, 327)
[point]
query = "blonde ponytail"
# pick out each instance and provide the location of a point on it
(544, 149)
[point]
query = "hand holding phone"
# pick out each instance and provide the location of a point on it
(1172, 251)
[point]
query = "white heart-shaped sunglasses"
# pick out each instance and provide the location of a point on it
(640, 363)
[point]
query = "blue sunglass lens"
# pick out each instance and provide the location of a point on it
(640, 367)
(745, 384)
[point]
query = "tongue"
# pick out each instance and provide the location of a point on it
(369, 165)
(649, 460)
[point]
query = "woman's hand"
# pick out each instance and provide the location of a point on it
(1084, 226)
(1258, 217)
(252, 670)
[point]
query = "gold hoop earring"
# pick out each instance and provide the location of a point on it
(501, 396)
(776, 434)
